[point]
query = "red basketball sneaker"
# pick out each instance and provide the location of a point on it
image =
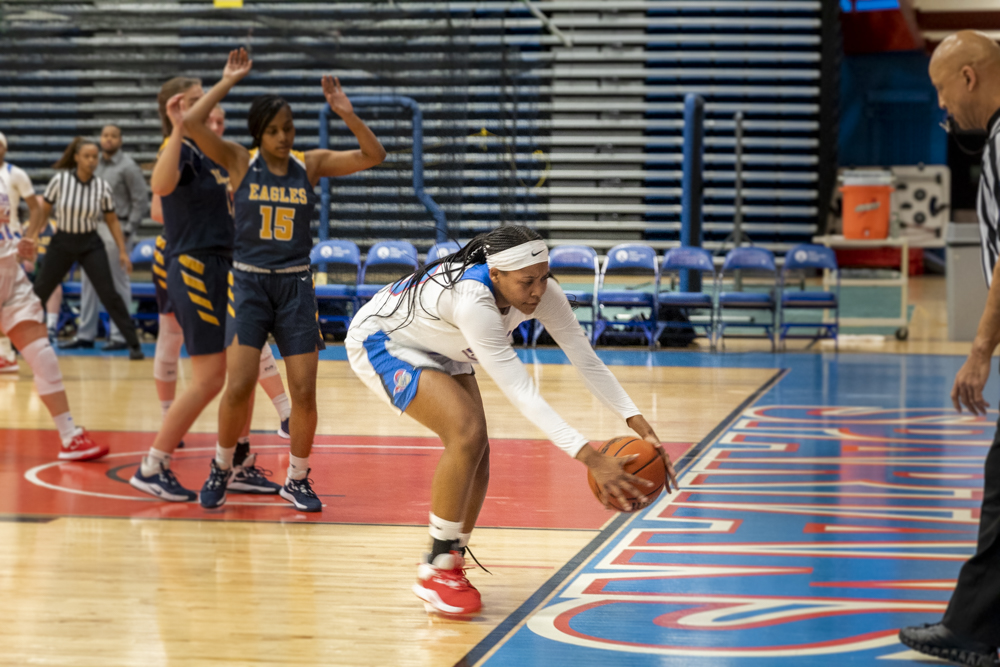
(82, 448)
(8, 363)
(443, 587)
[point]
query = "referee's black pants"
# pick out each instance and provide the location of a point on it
(88, 250)
(974, 610)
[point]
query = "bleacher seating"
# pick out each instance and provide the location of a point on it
(583, 143)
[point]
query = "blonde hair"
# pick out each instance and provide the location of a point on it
(176, 85)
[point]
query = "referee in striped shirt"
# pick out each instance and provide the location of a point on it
(965, 70)
(80, 200)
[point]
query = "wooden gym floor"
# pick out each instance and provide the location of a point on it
(94, 573)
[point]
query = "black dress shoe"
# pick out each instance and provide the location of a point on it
(135, 354)
(941, 642)
(77, 344)
(114, 346)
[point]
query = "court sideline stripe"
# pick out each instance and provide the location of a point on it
(510, 624)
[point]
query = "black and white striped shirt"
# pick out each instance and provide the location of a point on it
(988, 203)
(79, 206)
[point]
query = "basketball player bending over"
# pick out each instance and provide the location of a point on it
(414, 345)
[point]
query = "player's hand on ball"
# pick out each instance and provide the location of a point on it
(336, 97)
(610, 476)
(639, 424)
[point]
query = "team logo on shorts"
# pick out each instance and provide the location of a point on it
(401, 380)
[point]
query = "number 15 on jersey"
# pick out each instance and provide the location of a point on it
(276, 223)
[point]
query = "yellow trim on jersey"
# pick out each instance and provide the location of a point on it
(211, 319)
(232, 297)
(299, 156)
(200, 301)
(161, 242)
(162, 283)
(159, 271)
(229, 308)
(158, 256)
(189, 262)
(230, 278)
(193, 282)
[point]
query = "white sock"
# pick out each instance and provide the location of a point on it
(298, 468)
(165, 405)
(441, 529)
(463, 539)
(224, 456)
(67, 428)
(282, 405)
(51, 320)
(154, 461)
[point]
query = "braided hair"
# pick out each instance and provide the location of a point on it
(475, 252)
(263, 109)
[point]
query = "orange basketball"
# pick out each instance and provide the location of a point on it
(649, 465)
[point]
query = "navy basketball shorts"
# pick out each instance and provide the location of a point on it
(280, 304)
(197, 286)
(163, 305)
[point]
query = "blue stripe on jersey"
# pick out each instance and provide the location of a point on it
(274, 216)
(399, 378)
(481, 274)
(196, 215)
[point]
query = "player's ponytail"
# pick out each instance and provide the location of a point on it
(474, 252)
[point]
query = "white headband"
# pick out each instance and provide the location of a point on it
(520, 256)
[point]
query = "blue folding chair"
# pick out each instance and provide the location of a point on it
(687, 259)
(386, 262)
(756, 262)
(636, 261)
(802, 259)
(439, 250)
(146, 316)
(341, 262)
(579, 262)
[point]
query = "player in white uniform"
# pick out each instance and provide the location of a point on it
(22, 317)
(414, 344)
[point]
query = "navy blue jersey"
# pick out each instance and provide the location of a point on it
(274, 215)
(197, 215)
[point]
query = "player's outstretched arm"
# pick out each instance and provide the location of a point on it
(323, 163)
(230, 155)
(166, 172)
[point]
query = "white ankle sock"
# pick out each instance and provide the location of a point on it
(283, 405)
(441, 529)
(153, 461)
(165, 405)
(224, 456)
(298, 468)
(463, 539)
(51, 320)
(67, 428)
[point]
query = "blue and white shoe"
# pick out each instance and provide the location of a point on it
(162, 484)
(248, 478)
(299, 493)
(213, 492)
(283, 430)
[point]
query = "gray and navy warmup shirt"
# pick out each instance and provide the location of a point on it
(79, 206)
(988, 202)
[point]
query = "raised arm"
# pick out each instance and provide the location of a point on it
(167, 171)
(233, 157)
(322, 163)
